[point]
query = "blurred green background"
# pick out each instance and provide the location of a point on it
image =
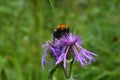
(27, 24)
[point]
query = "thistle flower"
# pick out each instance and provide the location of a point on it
(65, 46)
(72, 46)
(68, 47)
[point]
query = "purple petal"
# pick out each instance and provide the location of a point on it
(53, 51)
(79, 40)
(65, 57)
(43, 58)
(86, 54)
(43, 62)
(91, 53)
(77, 55)
(64, 64)
(61, 56)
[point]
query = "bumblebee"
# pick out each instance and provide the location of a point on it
(61, 30)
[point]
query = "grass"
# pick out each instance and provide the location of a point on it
(27, 24)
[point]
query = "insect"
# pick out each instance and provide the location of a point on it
(61, 30)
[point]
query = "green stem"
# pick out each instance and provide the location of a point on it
(68, 73)
(50, 77)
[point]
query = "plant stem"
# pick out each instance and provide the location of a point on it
(68, 73)
(50, 77)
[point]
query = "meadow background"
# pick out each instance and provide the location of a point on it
(27, 24)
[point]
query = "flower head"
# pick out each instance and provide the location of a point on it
(67, 47)
(73, 43)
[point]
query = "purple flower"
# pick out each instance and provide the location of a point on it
(72, 45)
(67, 47)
